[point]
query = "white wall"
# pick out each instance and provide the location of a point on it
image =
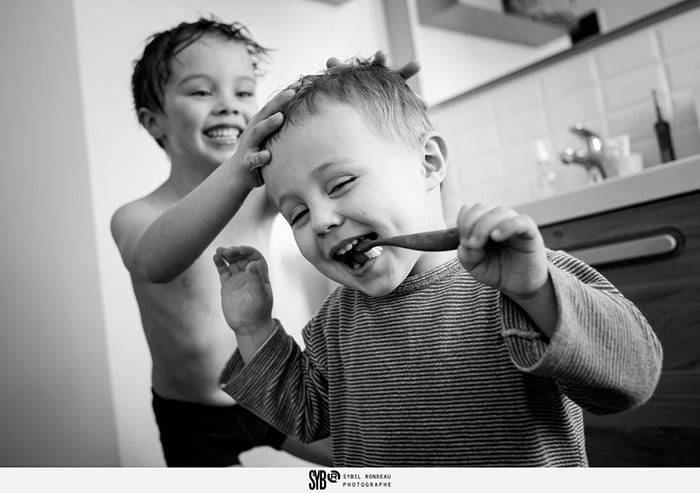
(125, 163)
(54, 377)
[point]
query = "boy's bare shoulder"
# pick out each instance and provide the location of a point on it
(133, 218)
(135, 214)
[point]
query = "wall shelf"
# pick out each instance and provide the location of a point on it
(457, 15)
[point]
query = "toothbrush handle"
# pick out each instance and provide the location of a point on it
(430, 241)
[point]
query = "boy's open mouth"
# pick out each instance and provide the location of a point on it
(354, 259)
(223, 134)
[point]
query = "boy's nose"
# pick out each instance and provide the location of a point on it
(324, 219)
(226, 109)
(226, 105)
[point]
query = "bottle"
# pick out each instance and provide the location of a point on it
(621, 161)
(546, 172)
(663, 134)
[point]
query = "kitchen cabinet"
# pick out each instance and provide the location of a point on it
(665, 285)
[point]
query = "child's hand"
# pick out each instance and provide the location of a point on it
(502, 249)
(249, 157)
(407, 71)
(246, 294)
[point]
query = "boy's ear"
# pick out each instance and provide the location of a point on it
(152, 122)
(434, 159)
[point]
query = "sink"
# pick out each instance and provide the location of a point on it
(657, 182)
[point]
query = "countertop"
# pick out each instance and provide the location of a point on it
(657, 182)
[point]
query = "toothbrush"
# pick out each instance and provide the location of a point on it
(429, 241)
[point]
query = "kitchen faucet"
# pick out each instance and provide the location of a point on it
(591, 158)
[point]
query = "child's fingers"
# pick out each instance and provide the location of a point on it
(409, 70)
(256, 160)
(486, 224)
(249, 252)
(467, 218)
(273, 105)
(262, 129)
(236, 257)
(242, 253)
(333, 62)
(260, 267)
(519, 226)
(379, 58)
(238, 261)
(229, 254)
(254, 277)
(259, 274)
(470, 257)
(221, 265)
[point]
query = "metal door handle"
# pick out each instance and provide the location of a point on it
(627, 250)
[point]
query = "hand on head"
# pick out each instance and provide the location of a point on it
(250, 157)
(406, 71)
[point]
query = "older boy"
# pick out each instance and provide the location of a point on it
(194, 90)
(421, 358)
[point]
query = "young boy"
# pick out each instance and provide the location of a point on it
(485, 357)
(194, 90)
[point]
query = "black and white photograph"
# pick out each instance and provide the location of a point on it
(383, 245)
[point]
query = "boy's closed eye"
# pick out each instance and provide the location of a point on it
(334, 188)
(297, 214)
(337, 185)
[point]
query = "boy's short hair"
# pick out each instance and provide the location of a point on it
(152, 71)
(378, 93)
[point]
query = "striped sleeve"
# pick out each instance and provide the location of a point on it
(603, 351)
(283, 386)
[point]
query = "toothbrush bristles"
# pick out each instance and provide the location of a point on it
(374, 252)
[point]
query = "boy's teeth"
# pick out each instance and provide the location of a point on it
(347, 247)
(353, 258)
(230, 134)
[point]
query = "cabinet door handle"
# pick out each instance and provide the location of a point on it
(627, 250)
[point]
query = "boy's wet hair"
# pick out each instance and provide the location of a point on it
(153, 70)
(377, 92)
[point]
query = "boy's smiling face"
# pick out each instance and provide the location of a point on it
(336, 179)
(207, 102)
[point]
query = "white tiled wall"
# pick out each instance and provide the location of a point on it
(608, 88)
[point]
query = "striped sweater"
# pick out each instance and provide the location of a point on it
(445, 371)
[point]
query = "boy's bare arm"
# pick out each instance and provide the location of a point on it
(178, 236)
(246, 297)
(505, 250)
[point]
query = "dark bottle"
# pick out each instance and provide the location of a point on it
(663, 134)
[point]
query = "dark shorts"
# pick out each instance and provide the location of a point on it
(198, 435)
